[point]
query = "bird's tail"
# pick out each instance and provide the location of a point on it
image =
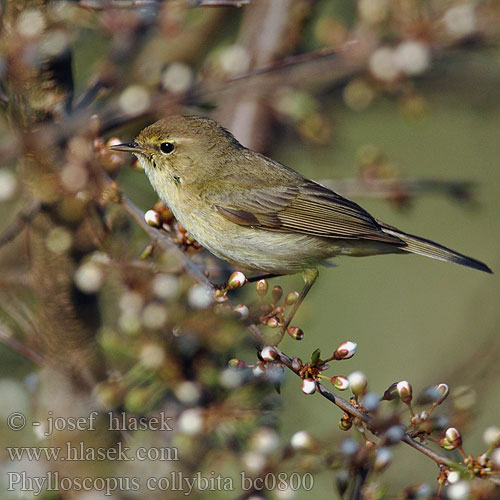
(422, 246)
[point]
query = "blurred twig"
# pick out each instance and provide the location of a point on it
(20, 348)
(19, 223)
(408, 188)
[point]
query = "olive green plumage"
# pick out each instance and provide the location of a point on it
(257, 213)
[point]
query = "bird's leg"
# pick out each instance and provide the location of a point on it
(309, 276)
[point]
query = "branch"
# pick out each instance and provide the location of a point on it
(458, 190)
(349, 408)
(19, 223)
(165, 242)
(20, 348)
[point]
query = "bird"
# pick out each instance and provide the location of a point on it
(257, 213)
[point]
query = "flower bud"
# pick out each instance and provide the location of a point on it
(371, 401)
(291, 298)
(453, 476)
(220, 295)
(345, 423)
(443, 391)
(495, 456)
(390, 392)
(491, 436)
(394, 434)
(383, 457)
(242, 311)
(258, 370)
(404, 391)
(236, 280)
(308, 386)
(458, 491)
(295, 332)
(451, 439)
(301, 440)
(357, 383)
(262, 287)
(273, 322)
(346, 350)
(237, 363)
(153, 218)
(277, 293)
(269, 353)
(340, 383)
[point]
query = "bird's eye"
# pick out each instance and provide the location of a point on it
(166, 147)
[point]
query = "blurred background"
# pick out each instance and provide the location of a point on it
(393, 104)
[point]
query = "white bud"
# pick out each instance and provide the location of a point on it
(453, 477)
(308, 386)
(460, 20)
(382, 64)
(242, 311)
(187, 392)
(154, 316)
(373, 11)
(177, 77)
(404, 391)
(134, 99)
(339, 382)
(458, 491)
(58, 240)
(89, 278)
(254, 462)
(495, 456)
(394, 434)
(357, 382)
(166, 286)
(269, 353)
(152, 355)
(199, 297)
(234, 59)
(265, 441)
(8, 185)
(345, 350)
(301, 440)
(443, 390)
(258, 370)
(30, 23)
(383, 457)
(190, 422)
(412, 57)
(491, 436)
(153, 218)
(236, 280)
(452, 434)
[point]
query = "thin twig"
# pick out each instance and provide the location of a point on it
(20, 348)
(165, 242)
(349, 408)
(387, 188)
(16, 227)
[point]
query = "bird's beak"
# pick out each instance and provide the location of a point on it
(131, 147)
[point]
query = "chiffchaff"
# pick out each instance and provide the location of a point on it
(257, 213)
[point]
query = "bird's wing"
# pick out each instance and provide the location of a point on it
(307, 208)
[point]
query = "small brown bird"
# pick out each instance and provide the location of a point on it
(257, 213)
